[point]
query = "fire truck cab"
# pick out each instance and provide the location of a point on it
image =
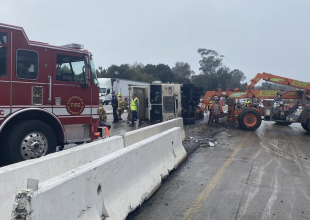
(49, 96)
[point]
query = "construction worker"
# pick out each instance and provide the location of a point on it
(134, 109)
(114, 106)
(216, 109)
(238, 104)
(209, 108)
(222, 100)
(247, 103)
(119, 109)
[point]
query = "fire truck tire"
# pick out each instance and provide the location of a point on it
(29, 139)
(249, 119)
(306, 126)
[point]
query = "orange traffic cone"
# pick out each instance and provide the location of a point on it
(107, 132)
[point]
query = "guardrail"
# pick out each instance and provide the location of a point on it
(13, 178)
(110, 187)
(142, 133)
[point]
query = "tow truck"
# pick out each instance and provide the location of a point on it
(250, 118)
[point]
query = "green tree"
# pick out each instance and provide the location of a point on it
(214, 74)
(237, 77)
(160, 72)
(115, 71)
(125, 71)
(102, 73)
(210, 61)
(182, 72)
(164, 73)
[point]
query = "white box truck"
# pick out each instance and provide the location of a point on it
(161, 101)
(109, 85)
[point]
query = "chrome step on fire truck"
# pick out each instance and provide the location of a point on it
(49, 96)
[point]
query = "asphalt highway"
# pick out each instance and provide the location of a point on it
(263, 174)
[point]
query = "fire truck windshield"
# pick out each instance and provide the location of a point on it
(93, 70)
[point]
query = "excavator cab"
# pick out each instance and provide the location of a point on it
(285, 115)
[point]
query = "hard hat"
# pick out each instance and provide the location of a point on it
(281, 103)
(119, 94)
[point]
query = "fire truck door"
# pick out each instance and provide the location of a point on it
(29, 78)
(5, 74)
(71, 96)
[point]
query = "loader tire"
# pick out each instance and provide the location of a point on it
(306, 126)
(249, 120)
(29, 139)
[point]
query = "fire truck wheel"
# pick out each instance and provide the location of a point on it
(306, 126)
(249, 119)
(29, 139)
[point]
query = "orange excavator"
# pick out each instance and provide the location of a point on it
(250, 118)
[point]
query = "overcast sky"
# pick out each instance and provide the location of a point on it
(254, 35)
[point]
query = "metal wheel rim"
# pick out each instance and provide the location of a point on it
(250, 120)
(33, 145)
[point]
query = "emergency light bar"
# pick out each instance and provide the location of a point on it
(74, 46)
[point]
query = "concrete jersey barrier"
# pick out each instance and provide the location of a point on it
(109, 187)
(146, 132)
(13, 178)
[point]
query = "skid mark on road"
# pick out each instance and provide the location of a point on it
(273, 197)
(279, 154)
(192, 211)
(254, 188)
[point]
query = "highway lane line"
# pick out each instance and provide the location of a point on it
(192, 211)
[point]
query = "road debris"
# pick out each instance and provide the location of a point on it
(211, 144)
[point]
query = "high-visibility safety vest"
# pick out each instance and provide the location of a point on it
(133, 104)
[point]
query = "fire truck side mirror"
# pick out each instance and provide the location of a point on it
(86, 76)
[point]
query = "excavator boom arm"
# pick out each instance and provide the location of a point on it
(278, 80)
(251, 93)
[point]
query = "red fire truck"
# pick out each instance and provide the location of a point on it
(49, 96)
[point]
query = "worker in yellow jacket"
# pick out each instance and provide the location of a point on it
(134, 106)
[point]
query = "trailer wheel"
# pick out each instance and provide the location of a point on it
(188, 120)
(283, 123)
(249, 119)
(306, 126)
(29, 139)
(201, 115)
